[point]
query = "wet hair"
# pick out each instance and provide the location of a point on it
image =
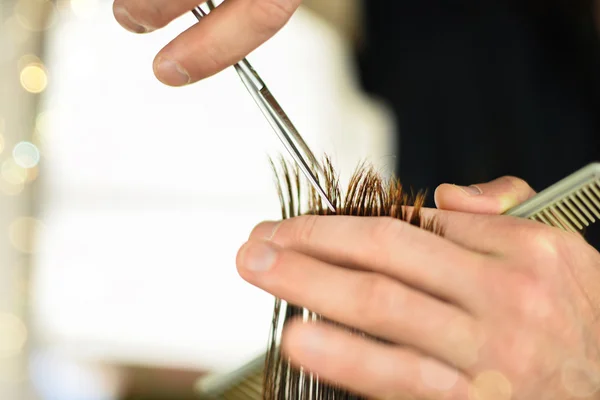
(368, 194)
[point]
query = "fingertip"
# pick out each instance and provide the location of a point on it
(472, 199)
(265, 230)
(443, 195)
(124, 18)
(239, 258)
(170, 72)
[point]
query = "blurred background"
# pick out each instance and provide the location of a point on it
(123, 202)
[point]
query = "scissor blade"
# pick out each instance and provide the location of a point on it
(278, 120)
(282, 130)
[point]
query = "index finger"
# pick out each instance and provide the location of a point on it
(486, 234)
(229, 33)
(389, 246)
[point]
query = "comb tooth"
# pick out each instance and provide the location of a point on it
(543, 219)
(562, 218)
(594, 187)
(594, 200)
(582, 208)
(589, 206)
(575, 211)
(569, 215)
(554, 221)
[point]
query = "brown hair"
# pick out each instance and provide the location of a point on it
(368, 194)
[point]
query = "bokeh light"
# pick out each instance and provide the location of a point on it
(10, 189)
(32, 174)
(84, 8)
(26, 155)
(490, 385)
(23, 233)
(13, 335)
(42, 128)
(12, 172)
(35, 15)
(581, 378)
(34, 78)
(28, 59)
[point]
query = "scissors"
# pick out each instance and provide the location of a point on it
(278, 119)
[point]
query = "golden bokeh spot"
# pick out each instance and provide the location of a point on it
(13, 173)
(39, 140)
(36, 15)
(34, 78)
(32, 174)
(41, 133)
(581, 378)
(28, 59)
(13, 335)
(43, 121)
(465, 342)
(10, 189)
(23, 234)
(490, 385)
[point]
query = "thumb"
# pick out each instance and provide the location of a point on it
(494, 197)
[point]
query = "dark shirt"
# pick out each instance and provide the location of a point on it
(485, 88)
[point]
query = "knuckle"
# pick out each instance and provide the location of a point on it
(542, 244)
(382, 234)
(268, 16)
(385, 229)
(303, 230)
(216, 55)
(517, 183)
(377, 300)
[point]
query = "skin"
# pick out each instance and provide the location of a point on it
(500, 308)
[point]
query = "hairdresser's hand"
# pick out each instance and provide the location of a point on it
(224, 37)
(494, 197)
(499, 309)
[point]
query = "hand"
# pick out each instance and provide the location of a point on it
(495, 197)
(225, 36)
(500, 308)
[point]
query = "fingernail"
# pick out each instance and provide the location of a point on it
(127, 21)
(171, 72)
(260, 256)
(472, 190)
